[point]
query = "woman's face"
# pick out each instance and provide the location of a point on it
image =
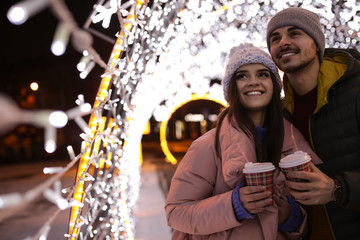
(255, 87)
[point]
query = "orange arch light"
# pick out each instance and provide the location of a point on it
(163, 142)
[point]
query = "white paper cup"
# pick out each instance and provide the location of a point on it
(297, 161)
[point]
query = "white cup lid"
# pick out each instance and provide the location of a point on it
(251, 167)
(294, 159)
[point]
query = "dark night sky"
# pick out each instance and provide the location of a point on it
(26, 57)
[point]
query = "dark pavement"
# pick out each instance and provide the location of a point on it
(149, 214)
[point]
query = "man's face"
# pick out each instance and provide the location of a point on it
(292, 49)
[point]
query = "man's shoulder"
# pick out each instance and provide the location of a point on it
(350, 51)
(344, 62)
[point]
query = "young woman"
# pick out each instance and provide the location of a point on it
(208, 197)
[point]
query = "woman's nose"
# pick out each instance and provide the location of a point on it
(254, 80)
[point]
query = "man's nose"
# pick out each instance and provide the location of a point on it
(284, 41)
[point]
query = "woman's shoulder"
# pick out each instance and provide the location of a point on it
(200, 151)
(204, 139)
(288, 126)
(229, 135)
(294, 141)
(286, 121)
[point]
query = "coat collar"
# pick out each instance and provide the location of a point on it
(332, 68)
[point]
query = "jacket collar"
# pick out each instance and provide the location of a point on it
(331, 69)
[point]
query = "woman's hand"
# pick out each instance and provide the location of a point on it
(254, 198)
(284, 208)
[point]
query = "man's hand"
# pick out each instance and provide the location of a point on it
(318, 188)
(254, 198)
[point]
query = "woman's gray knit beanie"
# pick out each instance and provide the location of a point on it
(246, 54)
(304, 19)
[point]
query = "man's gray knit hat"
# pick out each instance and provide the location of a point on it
(304, 19)
(246, 54)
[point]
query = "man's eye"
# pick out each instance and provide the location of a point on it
(274, 39)
(295, 33)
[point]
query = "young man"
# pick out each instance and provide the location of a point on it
(322, 99)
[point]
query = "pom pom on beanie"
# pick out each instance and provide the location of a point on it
(247, 54)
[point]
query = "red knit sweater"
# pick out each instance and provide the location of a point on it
(304, 107)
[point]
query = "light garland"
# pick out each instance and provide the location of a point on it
(165, 53)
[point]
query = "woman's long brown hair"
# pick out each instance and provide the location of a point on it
(270, 149)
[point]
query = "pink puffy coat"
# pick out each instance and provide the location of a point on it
(199, 204)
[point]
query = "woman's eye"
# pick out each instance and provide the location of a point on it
(264, 75)
(240, 75)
